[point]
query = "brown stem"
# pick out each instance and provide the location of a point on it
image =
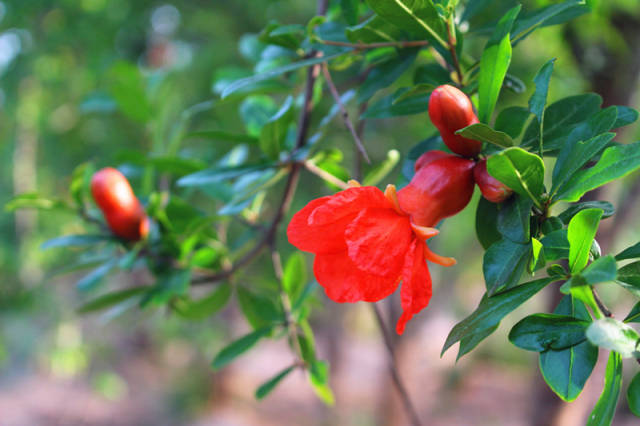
(361, 46)
(454, 56)
(402, 390)
(605, 311)
(345, 114)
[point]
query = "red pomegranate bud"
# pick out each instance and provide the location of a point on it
(492, 189)
(439, 189)
(429, 157)
(122, 210)
(451, 110)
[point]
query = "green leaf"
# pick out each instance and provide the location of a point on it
(350, 11)
(601, 270)
(625, 116)
(492, 309)
(258, 310)
(487, 223)
(484, 133)
(221, 135)
(605, 409)
(218, 174)
(550, 15)
(419, 17)
(75, 241)
(204, 307)
(633, 395)
(385, 74)
(319, 378)
(537, 256)
(538, 100)
(614, 335)
(294, 276)
(468, 343)
(511, 120)
(504, 263)
(606, 207)
(93, 278)
(287, 36)
(386, 107)
(494, 63)
(541, 332)
(111, 299)
(632, 252)
(514, 219)
(556, 245)
(238, 347)
(634, 314)
(519, 170)
(616, 162)
(374, 30)
(266, 388)
(170, 284)
(32, 200)
(274, 72)
(127, 87)
(379, 172)
(419, 90)
(431, 74)
(566, 371)
(580, 233)
(629, 277)
(274, 132)
(559, 120)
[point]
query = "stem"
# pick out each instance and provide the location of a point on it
(397, 381)
(362, 46)
(311, 166)
(452, 49)
(605, 311)
(345, 114)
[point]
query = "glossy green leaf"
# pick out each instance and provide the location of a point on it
(633, 395)
(625, 116)
(550, 15)
(468, 343)
(519, 170)
(615, 163)
(538, 100)
(514, 219)
(607, 210)
(541, 332)
(494, 63)
(111, 299)
(634, 314)
(487, 223)
(601, 270)
(556, 245)
(492, 309)
(385, 107)
(504, 263)
(385, 74)
(204, 307)
(511, 120)
(419, 17)
(374, 30)
(287, 36)
(566, 371)
(268, 386)
(238, 347)
(605, 409)
(614, 335)
(274, 132)
(580, 233)
(484, 133)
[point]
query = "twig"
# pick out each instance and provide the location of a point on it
(345, 114)
(605, 311)
(311, 166)
(402, 390)
(454, 55)
(362, 46)
(357, 164)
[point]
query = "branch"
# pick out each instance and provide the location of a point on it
(345, 114)
(402, 390)
(363, 46)
(313, 168)
(454, 54)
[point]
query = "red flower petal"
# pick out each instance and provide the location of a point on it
(416, 284)
(377, 241)
(344, 282)
(319, 227)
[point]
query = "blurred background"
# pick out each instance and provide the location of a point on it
(60, 63)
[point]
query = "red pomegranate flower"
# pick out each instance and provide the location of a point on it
(365, 245)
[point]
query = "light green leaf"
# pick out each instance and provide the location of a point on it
(633, 395)
(519, 170)
(204, 307)
(274, 132)
(605, 409)
(581, 232)
(294, 276)
(484, 133)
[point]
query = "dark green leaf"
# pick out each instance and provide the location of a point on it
(519, 170)
(541, 332)
(538, 100)
(93, 278)
(633, 395)
(287, 36)
(385, 74)
(566, 371)
(258, 310)
(432, 74)
(625, 116)
(386, 107)
(556, 245)
(350, 11)
(580, 233)
(634, 314)
(616, 162)
(511, 120)
(274, 132)
(374, 30)
(492, 309)
(170, 284)
(266, 388)
(606, 207)
(204, 307)
(487, 223)
(605, 409)
(220, 173)
(221, 135)
(614, 335)
(468, 343)
(600, 270)
(495, 61)
(110, 299)
(550, 15)
(503, 264)
(514, 219)
(238, 347)
(484, 133)
(75, 241)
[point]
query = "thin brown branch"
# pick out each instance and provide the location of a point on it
(345, 114)
(605, 311)
(454, 54)
(364, 46)
(395, 375)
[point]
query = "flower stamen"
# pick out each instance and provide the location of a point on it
(353, 183)
(391, 195)
(436, 258)
(424, 232)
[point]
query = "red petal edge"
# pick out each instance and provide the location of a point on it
(416, 284)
